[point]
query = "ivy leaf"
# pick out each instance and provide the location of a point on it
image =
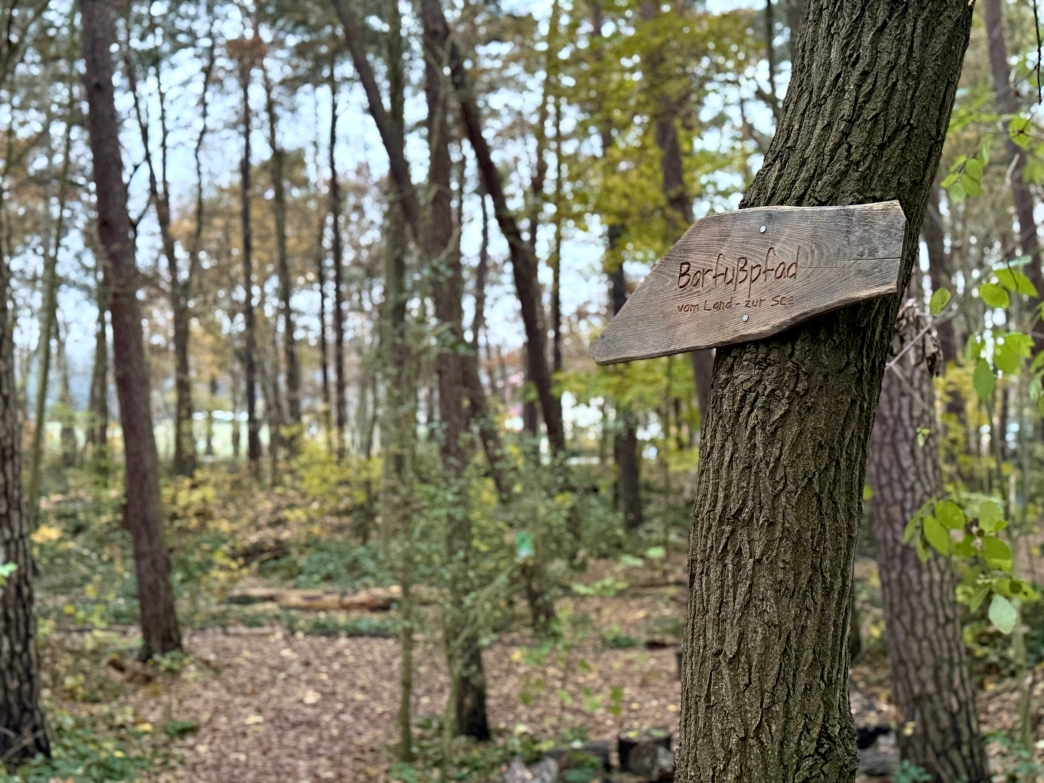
(950, 514)
(984, 380)
(993, 295)
(1003, 614)
(940, 299)
(997, 553)
(990, 516)
(937, 535)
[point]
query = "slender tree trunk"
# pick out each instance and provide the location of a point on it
(1007, 106)
(98, 415)
(926, 656)
(184, 438)
(324, 358)
(293, 372)
(783, 454)
(47, 323)
(626, 455)
(23, 728)
(209, 448)
(443, 260)
(250, 334)
(340, 392)
(67, 416)
(237, 435)
(159, 622)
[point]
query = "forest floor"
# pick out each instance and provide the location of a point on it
(267, 705)
(266, 693)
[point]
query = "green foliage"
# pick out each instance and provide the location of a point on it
(908, 772)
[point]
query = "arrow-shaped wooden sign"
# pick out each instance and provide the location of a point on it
(744, 275)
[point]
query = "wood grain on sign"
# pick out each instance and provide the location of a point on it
(744, 275)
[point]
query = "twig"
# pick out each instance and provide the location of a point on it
(1036, 28)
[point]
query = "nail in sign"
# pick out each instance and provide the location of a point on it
(745, 275)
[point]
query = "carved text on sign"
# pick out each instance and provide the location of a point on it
(745, 275)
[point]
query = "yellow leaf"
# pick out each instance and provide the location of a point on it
(46, 534)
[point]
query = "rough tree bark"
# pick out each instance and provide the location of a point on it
(159, 622)
(926, 656)
(783, 454)
(23, 729)
(337, 251)
(443, 262)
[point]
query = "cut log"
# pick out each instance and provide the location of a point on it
(544, 772)
(652, 762)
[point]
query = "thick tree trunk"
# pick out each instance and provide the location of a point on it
(340, 388)
(159, 622)
(293, 372)
(23, 730)
(926, 654)
(1008, 106)
(784, 449)
(443, 261)
(250, 332)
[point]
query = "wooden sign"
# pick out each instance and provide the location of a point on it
(745, 275)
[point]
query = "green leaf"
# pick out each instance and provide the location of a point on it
(922, 553)
(656, 553)
(997, 553)
(937, 535)
(963, 548)
(951, 178)
(993, 295)
(1014, 280)
(984, 380)
(971, 186)
(950, 514)
(911, 528)
(973, 169)
(990, 516)
(1018, 130)
(1006, 359)
(979, 596)
(1003, 614)
(940, 299)
(973, 349)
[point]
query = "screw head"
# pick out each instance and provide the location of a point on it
(762, 229)
(746, 318)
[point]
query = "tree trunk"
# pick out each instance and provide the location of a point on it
(1007, 107)
(293, 372)
(184, 438)
(159, 622)
(340, 390)
(443, 261)
(250, 335)
(98, 413)
(23, 730)
(934, 232)
(625, 441)
(67, 416)
(783, 454)
(795, 16)
(926, 656)
(324, 357)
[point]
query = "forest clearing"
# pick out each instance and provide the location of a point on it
(506, 391)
